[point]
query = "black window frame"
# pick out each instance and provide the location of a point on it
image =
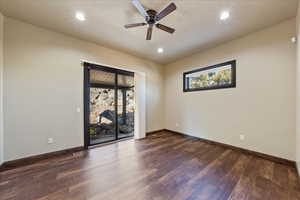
(233, 77)
(86, 99)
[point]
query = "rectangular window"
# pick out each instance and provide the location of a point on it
(213, 77)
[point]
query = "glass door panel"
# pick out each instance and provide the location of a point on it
(102, 117)
(125, 106)
(125, 113)
(102, 126)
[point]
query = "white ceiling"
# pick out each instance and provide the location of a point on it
(196, 22)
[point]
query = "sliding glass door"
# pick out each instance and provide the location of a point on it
(125, 106)
(109, 104)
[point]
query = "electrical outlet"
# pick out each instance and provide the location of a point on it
(176, 124)
(78, 110)
(242, 137)
(50, 141)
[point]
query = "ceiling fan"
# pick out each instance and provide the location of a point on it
(152, 17)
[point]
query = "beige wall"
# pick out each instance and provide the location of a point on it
(298, 92)
(1, 91)
(261, 107)
(43, 86)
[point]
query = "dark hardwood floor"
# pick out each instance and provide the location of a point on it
(161, 167)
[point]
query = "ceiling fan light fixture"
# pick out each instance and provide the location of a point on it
(151, 18)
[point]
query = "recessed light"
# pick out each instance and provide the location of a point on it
(80, 16)
(224, 15)
(160, 50)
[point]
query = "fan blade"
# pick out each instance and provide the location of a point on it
(170, 8)
(140, 8)
(134, 25)
(165, 28)
(149, 33)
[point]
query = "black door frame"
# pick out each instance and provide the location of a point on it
(86, 100)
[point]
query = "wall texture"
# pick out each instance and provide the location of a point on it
(1, 92)
(261, 107)
(298, 91)
(43, 86)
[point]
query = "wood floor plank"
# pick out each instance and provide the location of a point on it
(164, 166)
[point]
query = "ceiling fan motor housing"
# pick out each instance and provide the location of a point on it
(152, 17)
